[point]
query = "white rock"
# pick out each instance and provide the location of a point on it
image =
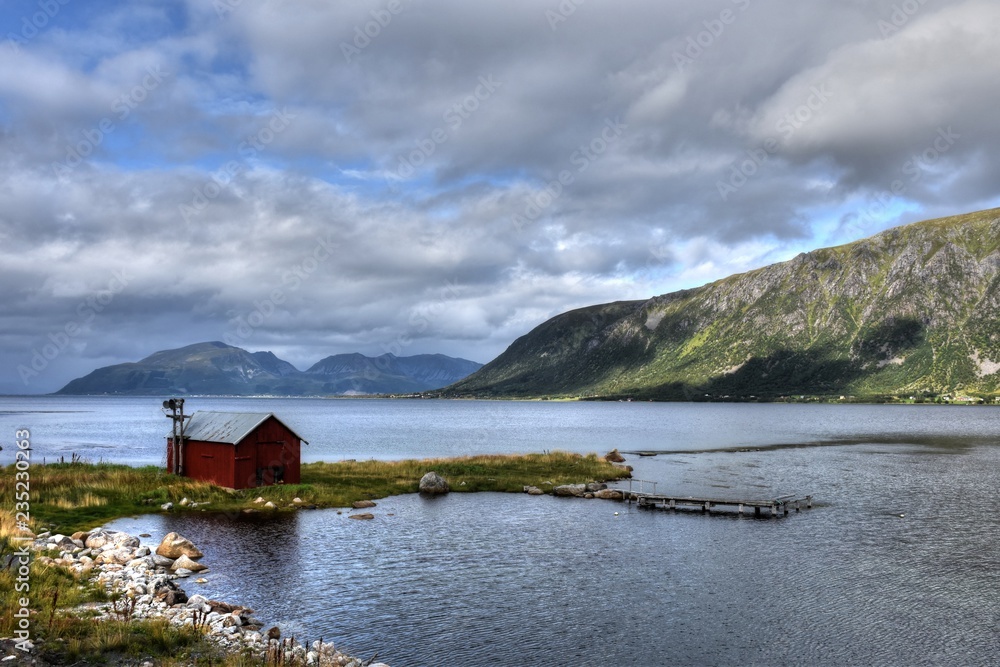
(185, 563)
(174, 546)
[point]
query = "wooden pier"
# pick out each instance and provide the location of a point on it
(779, 506)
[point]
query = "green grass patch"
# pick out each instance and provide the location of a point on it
(67, 497)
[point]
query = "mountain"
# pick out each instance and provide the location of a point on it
(217, 368)
(387, 373)
(912, 310)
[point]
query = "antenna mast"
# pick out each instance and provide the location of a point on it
(176, 407)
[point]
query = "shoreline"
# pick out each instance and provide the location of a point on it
(142, 586)
(80, 496)
(113, 584)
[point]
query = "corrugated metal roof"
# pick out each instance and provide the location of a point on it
(227, 427)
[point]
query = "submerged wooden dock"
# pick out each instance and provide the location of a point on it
(779, 506)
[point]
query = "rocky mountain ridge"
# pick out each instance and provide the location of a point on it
(912, 310)
(217, 368)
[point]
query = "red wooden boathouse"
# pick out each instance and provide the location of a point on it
(238, 450)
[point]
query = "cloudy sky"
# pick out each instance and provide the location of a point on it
(316, 177)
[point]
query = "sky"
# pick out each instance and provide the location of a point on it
(441, 176)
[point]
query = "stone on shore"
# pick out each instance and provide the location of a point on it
(594, 487)
(533, 490)
(175, 546)
(183, 562)
(362, 504)
(577, 490)
(609, 494)
(162, 561)
(116, 539)
(614, 456)
(433, 484)
(114, 556)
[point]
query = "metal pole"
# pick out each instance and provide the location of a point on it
(176, 445)
(180, 467)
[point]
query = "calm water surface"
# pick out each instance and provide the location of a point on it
(515, 580)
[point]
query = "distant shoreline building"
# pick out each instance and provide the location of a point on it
(238, 450)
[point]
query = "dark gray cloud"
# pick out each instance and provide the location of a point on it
(461, 172)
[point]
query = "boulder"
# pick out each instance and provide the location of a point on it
(197, 601)
(114, 556)
(221, 607)
(80, 535)
(362, 504)
(270, 506)
(433, 483)
(162, 561)
(61, 542)
(105, 537)
(175, 546)
(533, 491)
(614, 456)
(364, 517)
(578, 490)
(594, 487)
(170, 593)
(166, 507)
(609, 494)
(183, 562)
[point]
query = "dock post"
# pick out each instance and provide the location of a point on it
(741, 508)
(797, 506)
(705, 507)
(784, 506)
(673, 504)
(774, 509)
(756, 511)
(809, 502)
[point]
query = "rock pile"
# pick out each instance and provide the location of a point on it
(591, 490)
(144, 585)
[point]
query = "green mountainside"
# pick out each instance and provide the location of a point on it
(220, 369)
(911, 311)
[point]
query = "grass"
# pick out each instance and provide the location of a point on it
(66, 497)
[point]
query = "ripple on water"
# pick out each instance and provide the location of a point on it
(494, 579)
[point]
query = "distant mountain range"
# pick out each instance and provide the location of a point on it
(913, 310)
(220, 369)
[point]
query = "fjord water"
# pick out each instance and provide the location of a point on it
(497, 579)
